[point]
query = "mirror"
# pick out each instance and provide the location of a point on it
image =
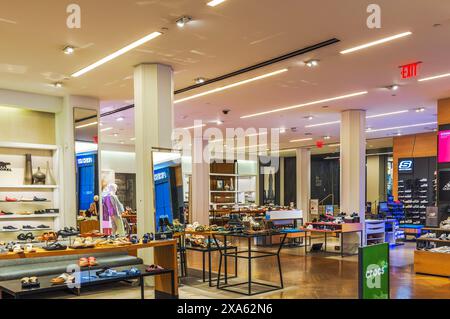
(169, 196)
(86, 157)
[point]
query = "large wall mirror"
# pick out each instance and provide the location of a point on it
(86, 157)
(170, 208)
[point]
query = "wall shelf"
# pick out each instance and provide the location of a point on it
(29, 146)
(29, 186)
(32, 216)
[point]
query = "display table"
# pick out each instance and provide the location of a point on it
(432, 263)
(207, 251)
(13, 288)
(165, 255)
(249, 254)
(341, 229)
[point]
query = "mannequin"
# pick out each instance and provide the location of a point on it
(113, 208)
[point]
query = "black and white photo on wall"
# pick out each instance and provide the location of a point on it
(4, 167)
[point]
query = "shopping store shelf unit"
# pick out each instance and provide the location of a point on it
(375, 231)
(430, 262)
(12, 185)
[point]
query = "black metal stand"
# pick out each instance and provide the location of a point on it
(248, 254)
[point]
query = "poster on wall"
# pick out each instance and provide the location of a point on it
(374, 272)
(444, 147)
(444, 186)
(314, 206)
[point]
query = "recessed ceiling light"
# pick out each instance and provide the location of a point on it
(58, 85)
(369, 129)
(200, 80)
(301, 140)
(86, 125)
(69, 50)
(393, 87)
(306, 104)
(214, 3)
(133, 139)
(219, 122)
(118, 53)
(334, 145)
(195, 126)
(370, 44)
(115, 134)
(327, 137)
(282, 130)
(181, 22)
(312, 63)
(435, 77)
(323, 124)
(122, 142)
(400, 127)
(420, 110)
(120, 119)
(106, 129)
(231, 85)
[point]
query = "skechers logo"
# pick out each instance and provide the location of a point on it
(405, 165)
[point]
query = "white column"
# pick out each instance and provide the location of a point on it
(353, 162)
(200, 183)
(65, 139)
(303, 159)
(153, 99)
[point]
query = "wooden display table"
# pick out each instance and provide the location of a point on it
(341, 229)
(432, 263)
(165, 255)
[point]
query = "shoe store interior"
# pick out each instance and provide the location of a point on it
(333, 118)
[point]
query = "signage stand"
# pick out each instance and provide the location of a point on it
(374, 272)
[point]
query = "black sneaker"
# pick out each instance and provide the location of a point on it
(37, 199)
(43, 227)
(28, 227)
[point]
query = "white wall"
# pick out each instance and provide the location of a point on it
(119, 162)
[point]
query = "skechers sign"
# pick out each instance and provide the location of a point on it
(405, 166)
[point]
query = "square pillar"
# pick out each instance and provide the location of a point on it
(303, 165)
(153, 99)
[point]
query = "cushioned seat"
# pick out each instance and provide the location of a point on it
(18, 268)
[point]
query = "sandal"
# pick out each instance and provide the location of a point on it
(83, 262)
(92, 261)
(55, 246)
(63, 279)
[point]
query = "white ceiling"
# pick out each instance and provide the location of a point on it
(228, 37)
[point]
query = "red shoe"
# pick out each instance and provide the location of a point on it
(9, 199)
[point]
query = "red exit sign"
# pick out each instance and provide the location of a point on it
(409, 70)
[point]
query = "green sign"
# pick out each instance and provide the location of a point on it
(374, 272)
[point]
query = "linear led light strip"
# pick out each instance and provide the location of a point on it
(214, 3)
(118, 53)
(399, 127)
(371, 44)
(306, 104)
(301, 140)
(195, 126)
(435, 77)
(86, 125)
(367, 117)
(226, 87)
(106, 129)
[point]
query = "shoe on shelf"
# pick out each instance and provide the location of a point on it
(43, 227)
(11, 199)
(153, 268)
(28, 227)
(10, 228)
(55, 246)
(3, 213)
(30, 282)
(37, 199)
(63, 279)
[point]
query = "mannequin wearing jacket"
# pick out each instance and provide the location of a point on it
(113, 209)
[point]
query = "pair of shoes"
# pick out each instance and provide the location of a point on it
(28, 227)
(24, 237)
(51, 236)
(87, 262)
(55, 246)
(148, 238)
(3, 213)
(40, 212)
(43, 227)
(63, 279)
(107, 273)
(80, 242)
(30, 282)
(68, 231)
(37, 199)
(153, 268)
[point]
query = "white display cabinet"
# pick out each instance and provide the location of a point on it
(12, 186)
